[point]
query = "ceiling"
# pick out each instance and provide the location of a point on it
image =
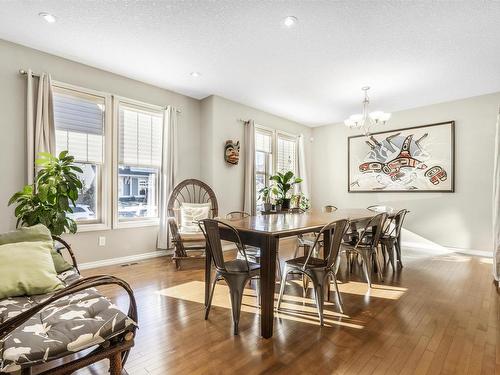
(410, 53)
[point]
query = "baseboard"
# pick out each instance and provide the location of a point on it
(136, 258)
(126, 259)
(430, 248)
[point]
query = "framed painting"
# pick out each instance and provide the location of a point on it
(417, 159)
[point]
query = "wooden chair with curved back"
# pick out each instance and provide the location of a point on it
(189, 245)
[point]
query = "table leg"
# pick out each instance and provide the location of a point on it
(208, 275)
(269, 250)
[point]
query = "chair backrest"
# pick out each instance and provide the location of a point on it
(377, 221)
(211, 230)
(394, 224)
(336, 230)
(192, 191)
(329, 208)
(296, 210)
(380, 208)
(234, 215)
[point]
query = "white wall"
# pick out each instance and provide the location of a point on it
(13, 57)
(219, 121)
(461, 219)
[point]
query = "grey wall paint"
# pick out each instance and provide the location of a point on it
(461, 219)
(121, 242)
(219, 119)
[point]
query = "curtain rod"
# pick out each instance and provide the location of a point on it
(243, 121)
(24, 73)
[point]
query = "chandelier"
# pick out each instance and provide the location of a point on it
(366, 120)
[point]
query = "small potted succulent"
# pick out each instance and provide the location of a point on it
(284, 182)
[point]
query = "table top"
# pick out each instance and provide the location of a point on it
(287, 223)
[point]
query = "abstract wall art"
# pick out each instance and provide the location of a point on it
(417, 159)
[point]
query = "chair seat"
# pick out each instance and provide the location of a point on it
(70, 324)
(239, 265)
(312, 263)
(354, 247)
(192, 236)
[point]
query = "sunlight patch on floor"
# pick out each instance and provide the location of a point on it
(293, 308)
(453, 258)
(486, 260)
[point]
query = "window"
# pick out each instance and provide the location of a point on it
(139, 161)
(286, 159)
(80, 120)
(274, 152)
(263, 161)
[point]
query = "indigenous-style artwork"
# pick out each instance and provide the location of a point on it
(232, 152)
(419, 159)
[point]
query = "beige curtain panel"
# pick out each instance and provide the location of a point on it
(302, 168)
(249, 159)
(40, 128)
(496, 204)
(168, 172)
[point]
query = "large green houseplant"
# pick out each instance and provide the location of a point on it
(52, 195)
(284, 182)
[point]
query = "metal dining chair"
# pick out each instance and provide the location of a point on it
(252, 252)
(236, 273)
(367, 247)
(389, 240)
(306, 241)
(319, 270)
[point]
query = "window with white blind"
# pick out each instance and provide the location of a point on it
(139, 161)
(263, 162)
(274, 152)
(286, 158)
(80, 121)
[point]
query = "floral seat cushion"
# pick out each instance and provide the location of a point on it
(70, 324)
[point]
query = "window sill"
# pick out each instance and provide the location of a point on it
(136, 223)
(92, 227)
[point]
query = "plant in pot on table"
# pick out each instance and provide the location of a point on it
(284, 182)
(265, 196)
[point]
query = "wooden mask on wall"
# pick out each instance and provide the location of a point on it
(232, 152)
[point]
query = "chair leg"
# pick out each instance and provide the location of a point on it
(305, 285)
(209, 304)
(337, 291)
(377, 260)
(398, 253)
(236, 286)
(319, 293)
(390, 252)
(115, 364)
(26, 371)
(367, 267)
(282, 286)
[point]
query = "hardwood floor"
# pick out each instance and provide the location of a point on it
(438, 315)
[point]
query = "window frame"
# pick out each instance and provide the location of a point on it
(275, 135)
(132, 222)
(104, 199)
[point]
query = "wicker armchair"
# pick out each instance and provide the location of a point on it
(42, 330)
(188, 245)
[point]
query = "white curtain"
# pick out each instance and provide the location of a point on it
(496, 204)
(302, 169)
(40, 128)
(168, 172)
(249, 159)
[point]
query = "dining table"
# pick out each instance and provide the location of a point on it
(265, 232)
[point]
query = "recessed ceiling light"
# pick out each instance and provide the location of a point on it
(47, 17)
(195, 74)
(289, 21)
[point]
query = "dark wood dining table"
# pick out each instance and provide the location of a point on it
(265, 231)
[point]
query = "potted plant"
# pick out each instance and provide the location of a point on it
(284, 182)
(52, 195)
(265, 196)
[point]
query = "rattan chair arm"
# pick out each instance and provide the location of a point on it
(67, 246)
(82, 284)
